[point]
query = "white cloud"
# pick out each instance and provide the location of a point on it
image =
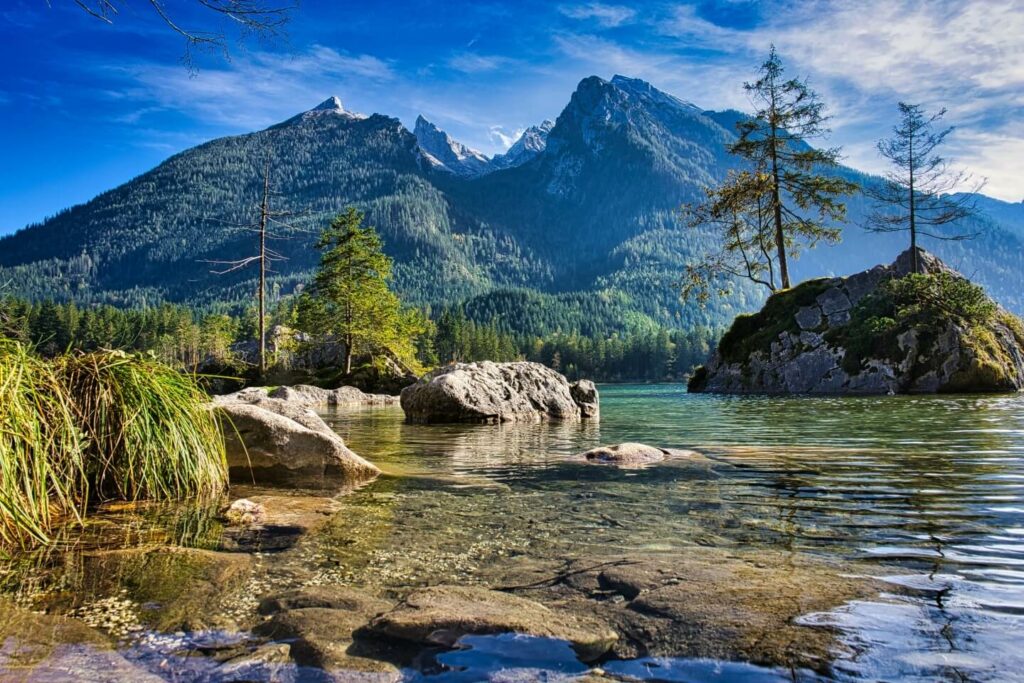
(997, 157)
(865, 55)
(254, 91)
(499, 135)
(608, 16)
(472, 63)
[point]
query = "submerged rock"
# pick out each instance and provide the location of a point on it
(497, 392)
(244, 512)
(180, 587)
(42, 648)
(441, 615)
(328, 597)
(267, 662)
(321, 625)
(275, 442)
(712, 603)
(872, 333)
(634, 454)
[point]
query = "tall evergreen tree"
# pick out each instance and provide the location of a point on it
(351, 298)
(803, 200)
(916, 194)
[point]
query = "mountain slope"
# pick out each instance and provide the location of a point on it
(592, 209)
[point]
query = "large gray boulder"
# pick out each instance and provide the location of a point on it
(851, 336)
(302, 394)
(273, 441)
(497, 392)
(584, 392)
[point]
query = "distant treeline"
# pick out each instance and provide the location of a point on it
(191, 338)
(649, 353)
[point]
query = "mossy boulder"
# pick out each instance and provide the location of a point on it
(885, 330)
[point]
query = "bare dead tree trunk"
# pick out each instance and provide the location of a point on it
(264, 213)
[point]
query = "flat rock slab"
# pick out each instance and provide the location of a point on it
(441, 615)
(312, 397)
(321, 623)
(489, 392)
(286, 519)
(631, 455)
(712, 603)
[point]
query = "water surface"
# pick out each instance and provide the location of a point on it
(923, 492)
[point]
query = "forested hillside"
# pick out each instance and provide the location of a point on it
(582, 238)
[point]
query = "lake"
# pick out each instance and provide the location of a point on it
(923, 496)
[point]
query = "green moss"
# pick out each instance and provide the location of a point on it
(924, 303)
(990, 367)
(1014, 324)
(756, 332)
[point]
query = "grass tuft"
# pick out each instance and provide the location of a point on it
(88, 427)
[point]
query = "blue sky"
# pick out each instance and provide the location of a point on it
(85, 106)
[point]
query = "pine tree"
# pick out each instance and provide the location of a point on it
(351, 298)
(917, 193)
(802, 200)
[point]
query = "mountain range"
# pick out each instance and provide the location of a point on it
(580, 213)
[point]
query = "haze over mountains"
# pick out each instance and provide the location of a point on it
(587, 204)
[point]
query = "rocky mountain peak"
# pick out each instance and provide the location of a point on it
(332, 103)
(532, 142)
(331, 107)
(448, 154)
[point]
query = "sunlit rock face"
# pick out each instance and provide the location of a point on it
(274, 441)
(497, 392)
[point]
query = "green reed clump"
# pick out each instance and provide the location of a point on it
(150, 432)
(42, 449)
(95, 426)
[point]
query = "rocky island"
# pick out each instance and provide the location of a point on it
(882, 331)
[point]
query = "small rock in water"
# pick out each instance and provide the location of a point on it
(634, 454)
(244, 512)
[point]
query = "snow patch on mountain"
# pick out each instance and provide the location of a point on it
(532, 142)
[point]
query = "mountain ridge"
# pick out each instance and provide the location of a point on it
(594, 209)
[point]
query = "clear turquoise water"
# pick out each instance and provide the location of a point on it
(927, 492)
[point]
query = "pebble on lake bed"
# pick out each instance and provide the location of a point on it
(117, 615)
(244, 512)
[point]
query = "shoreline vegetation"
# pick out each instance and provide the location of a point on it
(83, 428)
